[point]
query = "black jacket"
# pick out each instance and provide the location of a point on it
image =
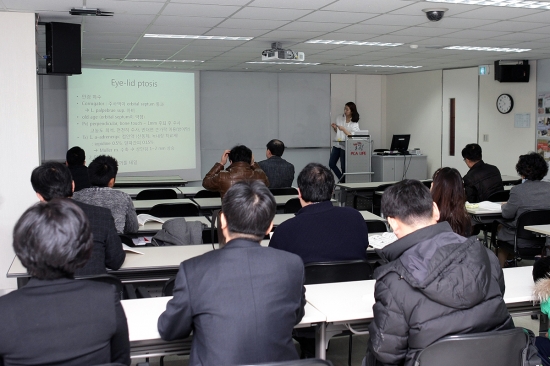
(481, 181)
(279, 172)
(437, 283)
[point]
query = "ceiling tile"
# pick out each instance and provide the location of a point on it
(199, 10)
(270, 13)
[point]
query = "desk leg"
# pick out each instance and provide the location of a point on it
(320, 340)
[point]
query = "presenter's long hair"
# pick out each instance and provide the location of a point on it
(448, 193)
(354, 114)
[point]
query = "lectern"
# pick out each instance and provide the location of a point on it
(358, 158)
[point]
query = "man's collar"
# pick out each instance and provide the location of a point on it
(241, 243)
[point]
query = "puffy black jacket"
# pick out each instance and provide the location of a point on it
(437, 283)
(481, 181)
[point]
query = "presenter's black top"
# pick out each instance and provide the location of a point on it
(80, 177)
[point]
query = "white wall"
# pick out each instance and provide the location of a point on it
(506, 143)
(18, 128)
(413, 106)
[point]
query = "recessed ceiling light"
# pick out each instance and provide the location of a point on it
(505, 3)
(493, 49)
(111, 59)
(353, 43)
(392, 66)
(283, 63)
(152, 60)
(180, 36)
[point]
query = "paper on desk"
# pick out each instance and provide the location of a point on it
(143, 218)
(380, 241)
(490, 206)
(130, 249)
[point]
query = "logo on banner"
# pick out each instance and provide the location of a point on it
(359, 148)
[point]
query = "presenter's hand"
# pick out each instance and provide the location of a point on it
(225, 155)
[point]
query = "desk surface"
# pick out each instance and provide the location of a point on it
(541, 229)
(133, 191)
(148, 181)
(508, 179)
(216, 202)
(148, 204)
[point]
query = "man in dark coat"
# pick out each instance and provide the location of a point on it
(436, 283)
(76, 161)
(242, 301)
(482, 180)
(279, 171)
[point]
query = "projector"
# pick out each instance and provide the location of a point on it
(276, 53)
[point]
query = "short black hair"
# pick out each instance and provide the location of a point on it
(101, 170)
(472, 152)
(541, 269)
(316, 183)
(409, 201)
(240, 153)
(277, 147)
(75, 156)
(532, 166)
(249, 208)
(52, 180)
(53, 239)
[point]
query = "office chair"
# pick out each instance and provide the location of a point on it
(293, 205)
(288, 191)
(340, 271)
(174, 210)
(498, 348)
(376, 226)
(304, 362)
(209, 236)
(156, 194)
(527, 218)
(206, 194)
(500, 196)
(168, 288)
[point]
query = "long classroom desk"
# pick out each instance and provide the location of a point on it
(144, 205)
(215, 203)
(149, 181)
(133, 191)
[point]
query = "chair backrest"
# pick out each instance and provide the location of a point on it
(156, 194)
(207, 236)
(206, 194)
(500, 196)
(383, 187)
(376, 226)
(341, 271)
(174, 210)
(168, 288)
(533, 217)
(283, 191)
(105, 278)
(499, 348)
(293, 205)
(303, 362)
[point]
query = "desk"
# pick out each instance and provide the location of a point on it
(215, 203)
(397, 167)
(540, 229)
(148, 181)
(151, 227)
(145, 205)
(484, 216)
(133, 192)
(142, 316)
(367, 187)
(509, 179)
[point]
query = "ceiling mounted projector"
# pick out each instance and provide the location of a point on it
(90, 12)
(277, 53)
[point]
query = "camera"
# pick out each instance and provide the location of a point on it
(435, 14)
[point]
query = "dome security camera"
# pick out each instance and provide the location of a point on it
(435, 14)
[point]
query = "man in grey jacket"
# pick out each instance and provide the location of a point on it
(436, 283)
(279, 171)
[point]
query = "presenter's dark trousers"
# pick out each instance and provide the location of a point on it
(335, 155)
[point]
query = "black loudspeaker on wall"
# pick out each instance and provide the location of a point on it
(63, 49)
(512, 71)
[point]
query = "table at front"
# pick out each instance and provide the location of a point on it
(483, 216)
(148, 181)
(145, 341)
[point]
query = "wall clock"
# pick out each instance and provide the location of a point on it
(505, 103)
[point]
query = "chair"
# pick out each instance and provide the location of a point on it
(341, 271)
(527, 218)
(377, 199)
(209, 236)
(498, 348)
(500, 196)
(168, 288)
(293, 205)
(304, 362)
(174, 210)
(288, 191)
(206, 194)
(156, 194)
(108, 279)
(376, 226)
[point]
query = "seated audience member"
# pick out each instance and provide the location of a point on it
(279, 171)
(76, 161)
(448, 193)
(53, 180)
(321, 232)
(436, 283)
(532, 194)
(235, 300)
(482, 180)
(241, 167)
(55, 319)
(102, 172)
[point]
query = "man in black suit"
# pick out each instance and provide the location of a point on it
(242, 301)
(53, 180)
(279, 171)
(482, 180)
(76, 161)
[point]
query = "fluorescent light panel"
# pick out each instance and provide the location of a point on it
(391, 66)
(492, 49)
(505, 3)
(180, 36)
(152, 60)
(283, 63)
(353, 43)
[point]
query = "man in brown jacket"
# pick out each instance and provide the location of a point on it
(242, 167)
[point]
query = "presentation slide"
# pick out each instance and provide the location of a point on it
(147, 120)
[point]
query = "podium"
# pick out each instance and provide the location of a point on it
(358, 159)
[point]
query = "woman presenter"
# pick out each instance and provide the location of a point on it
(345, 125)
